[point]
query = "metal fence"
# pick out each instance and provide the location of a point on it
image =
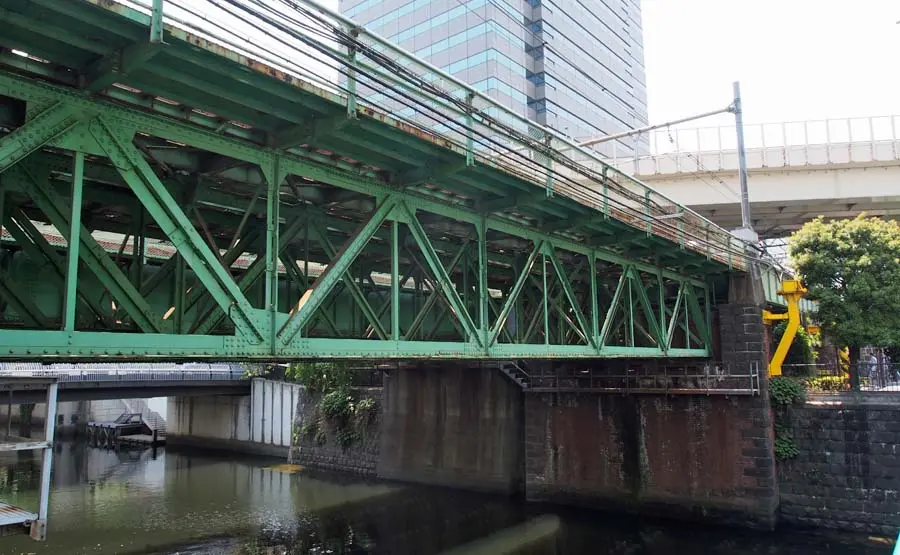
(879, 376)
(112, 372)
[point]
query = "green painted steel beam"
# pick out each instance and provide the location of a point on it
(91, 253)
(167, 214)
(310, 166)
(333, 273)
(22, 303)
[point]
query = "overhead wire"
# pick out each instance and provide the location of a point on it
(345, 39)
(439, 92)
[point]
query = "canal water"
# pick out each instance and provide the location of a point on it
(158, 502)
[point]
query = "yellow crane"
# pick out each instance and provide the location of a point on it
(792, 291)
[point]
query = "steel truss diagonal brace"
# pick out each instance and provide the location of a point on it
(178, 228)
(41, 252)
(358, 295)
(251, 274)
(22, 303)
(673, 322)
(93, 255)
(570, 294)
(644, 300)
(49, 124)
(513, 295)
(437, 268)
(313, 297)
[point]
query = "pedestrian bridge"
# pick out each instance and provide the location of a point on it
(218, 199)
(798, 171)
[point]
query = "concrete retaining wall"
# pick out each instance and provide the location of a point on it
(452, 426)
(258, 423)
(847, 474)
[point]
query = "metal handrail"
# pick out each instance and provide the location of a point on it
(637, 202)
(89, 372)
(870, 130)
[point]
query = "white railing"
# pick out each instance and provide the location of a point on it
(781, 144)
(111, 372)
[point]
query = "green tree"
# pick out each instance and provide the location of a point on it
(852, 269)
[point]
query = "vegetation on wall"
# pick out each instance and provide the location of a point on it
(784, 392)
(339, 411)
(852, 270)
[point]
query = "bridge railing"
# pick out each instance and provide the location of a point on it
(373, 76)
(779, 144)
(100, 372)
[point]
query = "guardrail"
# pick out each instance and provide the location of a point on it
(778, 144)
(89, 372)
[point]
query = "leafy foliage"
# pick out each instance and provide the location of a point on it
(786, 391)
(828, 384)
(785, 448)
(852, 269)
(321, 377)
(339, 409)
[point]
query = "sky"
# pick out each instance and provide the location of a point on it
(795, 59)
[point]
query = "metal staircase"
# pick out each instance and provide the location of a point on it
(515, 371)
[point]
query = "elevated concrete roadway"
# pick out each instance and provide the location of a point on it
(90, 381)
(798, 171)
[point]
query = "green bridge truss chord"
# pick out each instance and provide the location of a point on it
(141, 221)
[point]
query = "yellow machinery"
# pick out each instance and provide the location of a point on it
(792, 291)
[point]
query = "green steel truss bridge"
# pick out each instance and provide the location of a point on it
(169, 189)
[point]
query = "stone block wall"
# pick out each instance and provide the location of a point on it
(360, 458)
(847, 474)
(454, 426)
(690, 457)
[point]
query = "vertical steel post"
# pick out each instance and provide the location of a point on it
(273, 222)
(156, 22)
(395, 280)
(137, 247)
(2, 203)
(595, 302)
(742, 157)
(483, 323)
(545, 294)
(39, 529)
(548, 141)
(180, 297)
(470, 132)
(351, 78)
(74, 243)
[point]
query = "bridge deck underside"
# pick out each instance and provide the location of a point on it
(215, 210)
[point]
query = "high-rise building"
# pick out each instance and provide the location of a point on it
(576, 66)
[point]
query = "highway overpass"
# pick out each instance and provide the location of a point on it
(797, 171)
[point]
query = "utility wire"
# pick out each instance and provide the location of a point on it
(345, 39)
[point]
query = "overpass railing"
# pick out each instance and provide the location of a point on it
(372, 75)
(779, 144)
(111, 372)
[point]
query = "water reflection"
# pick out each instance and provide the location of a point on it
(146, 501)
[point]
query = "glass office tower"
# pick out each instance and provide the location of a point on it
(574, 65)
